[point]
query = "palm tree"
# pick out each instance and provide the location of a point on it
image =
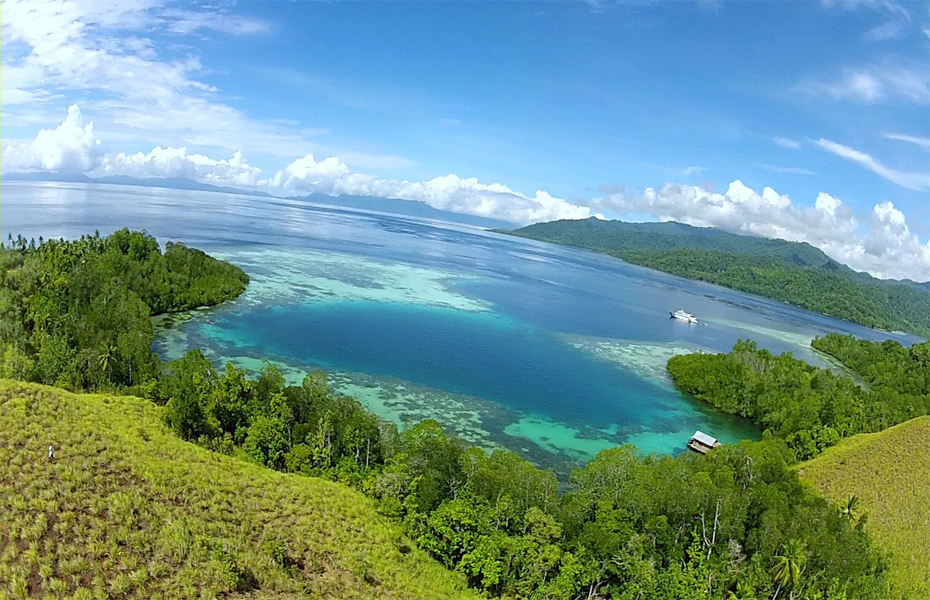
(106, 359)
(850, 510)
(789, 565)
(743, 591)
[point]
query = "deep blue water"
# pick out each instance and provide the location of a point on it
(462, 352)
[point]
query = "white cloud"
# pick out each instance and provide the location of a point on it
(911, 181)
(919, 141)
(449, 192)
(186, 22)
(177, 162)
(96, 48)
(307, 173)
(787, 143)
(889, 30)
(888, 248)
(899, 17)
(72, 146)
(869, 85)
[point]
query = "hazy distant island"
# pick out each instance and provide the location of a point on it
(397, 206)
(792, 272)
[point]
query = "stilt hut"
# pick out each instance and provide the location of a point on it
(703, 443)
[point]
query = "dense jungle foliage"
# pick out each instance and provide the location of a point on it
(887, 366)
(736, 524)
(77, 313)
(811, 408)
(792, 272)
(737, 521)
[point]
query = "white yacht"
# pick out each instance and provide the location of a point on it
(683, 316)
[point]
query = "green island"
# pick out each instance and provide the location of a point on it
(184, 480)
(811, 408)
(792, 272)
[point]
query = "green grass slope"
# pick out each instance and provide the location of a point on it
(127, 510)
(890, 473)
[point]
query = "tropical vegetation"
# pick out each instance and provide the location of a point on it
(77, 313)
(812, 408)
(128, 510)
(737, 523)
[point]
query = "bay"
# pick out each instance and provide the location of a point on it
(552, 352)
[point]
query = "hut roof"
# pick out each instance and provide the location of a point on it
(703, 438)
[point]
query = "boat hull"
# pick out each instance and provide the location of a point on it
(686, 319)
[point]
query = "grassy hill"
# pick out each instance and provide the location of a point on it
(127, 510)
(791, 272)
(889, 471)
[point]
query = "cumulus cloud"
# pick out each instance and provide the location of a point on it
(890, 248)
(887, 249)
(308, 174)
(449, 192)
(177, 162)
(72, 146)
(911, 181)
(138, 89)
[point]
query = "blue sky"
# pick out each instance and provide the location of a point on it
(640, 110)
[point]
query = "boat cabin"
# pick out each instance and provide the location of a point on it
(703, 443)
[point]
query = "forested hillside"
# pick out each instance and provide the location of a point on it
(887, 366)
(812, 408)
(791, 272)
(77, 313)
(663, 528)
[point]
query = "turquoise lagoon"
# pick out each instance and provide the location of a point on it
(551, 352)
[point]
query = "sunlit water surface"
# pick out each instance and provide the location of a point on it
(552, 352)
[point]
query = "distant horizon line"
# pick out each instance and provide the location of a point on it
(197, 186)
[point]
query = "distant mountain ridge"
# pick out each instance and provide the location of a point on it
(793, 272)
(410, 208)
(172, 183)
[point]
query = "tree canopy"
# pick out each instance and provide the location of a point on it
(77, 313)
(812, 408)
